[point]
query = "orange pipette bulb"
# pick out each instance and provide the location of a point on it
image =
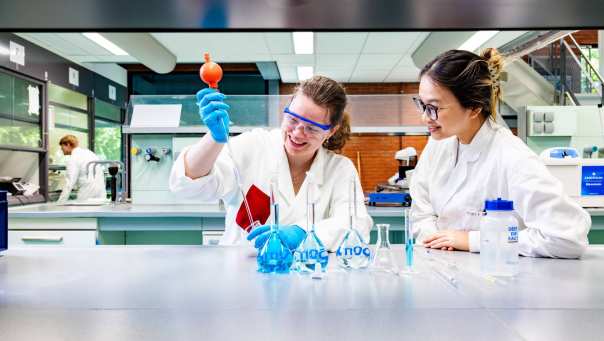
(210, 72)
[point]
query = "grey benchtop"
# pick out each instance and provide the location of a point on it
(136, 211)
(215, 293)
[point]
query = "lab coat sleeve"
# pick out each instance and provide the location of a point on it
(218, 184)
(71, 177)
(331, 231)
(556, 226)
(423, 217)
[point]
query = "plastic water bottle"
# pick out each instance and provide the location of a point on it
(499, 239)
(3, 221)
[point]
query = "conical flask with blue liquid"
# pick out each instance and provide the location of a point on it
(274, 256)
(311, 255)
(353, 252)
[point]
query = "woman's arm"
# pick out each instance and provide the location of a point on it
(556, 226)
(423, 217)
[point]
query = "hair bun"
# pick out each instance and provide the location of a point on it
(495, 62)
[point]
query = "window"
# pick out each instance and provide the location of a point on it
(20, 112)
(67, 115)
(107, 131)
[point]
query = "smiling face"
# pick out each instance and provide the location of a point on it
(298, 141)
(453, 119)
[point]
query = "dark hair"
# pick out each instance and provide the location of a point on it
(473, 79)
(330, 94)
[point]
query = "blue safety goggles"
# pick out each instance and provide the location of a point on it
(317, 124)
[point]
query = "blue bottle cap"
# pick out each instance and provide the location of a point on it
(2, 195)
(499, 205)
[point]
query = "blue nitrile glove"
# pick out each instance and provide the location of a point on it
(291, 235)
(213, 112)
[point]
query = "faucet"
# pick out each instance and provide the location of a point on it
(114, 167)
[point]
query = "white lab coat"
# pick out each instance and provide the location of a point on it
(260, 155)
(496, 164)
(89, 187)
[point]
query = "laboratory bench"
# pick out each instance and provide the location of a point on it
(137, 224)
(215, 293)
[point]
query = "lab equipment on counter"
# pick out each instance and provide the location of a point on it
(3, 221)
(150, 155)
(114, 167)
(383, 257)
(396, 191)
(275, 256)
(589, 151)
(353, 252)
(211, 73)
(311, 255)
(407, 159)
(499, 239)
(441, 272)
(409, 241)
(583, 179)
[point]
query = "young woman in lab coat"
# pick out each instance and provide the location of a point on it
(469, 158)
(89, 186)
(314, 127)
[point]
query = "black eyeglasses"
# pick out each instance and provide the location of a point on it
(428, 109)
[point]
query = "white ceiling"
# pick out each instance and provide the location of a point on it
(346, 57)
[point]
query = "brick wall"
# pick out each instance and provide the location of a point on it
(374, 155)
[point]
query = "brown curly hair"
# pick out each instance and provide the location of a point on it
(330, 94)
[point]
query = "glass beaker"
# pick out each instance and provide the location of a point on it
(383, 258)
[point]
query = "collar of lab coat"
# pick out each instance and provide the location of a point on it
(480, 142)
(458, 173)
(286, 187)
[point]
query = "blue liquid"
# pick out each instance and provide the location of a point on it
(274, 256)
(409, 253)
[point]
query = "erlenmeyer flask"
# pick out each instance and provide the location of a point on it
(353, 252)
(274, 256)
(383, 259)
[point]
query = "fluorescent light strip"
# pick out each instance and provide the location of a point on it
(477, 40)
(303, 42)
(106, 44)
(304, 72)
(4, 50)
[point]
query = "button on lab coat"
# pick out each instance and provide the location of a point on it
(260, 155)
(76, 174)
(496, 164)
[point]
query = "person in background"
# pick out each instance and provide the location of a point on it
(89, 186)
(469, 158)
(314, 129)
